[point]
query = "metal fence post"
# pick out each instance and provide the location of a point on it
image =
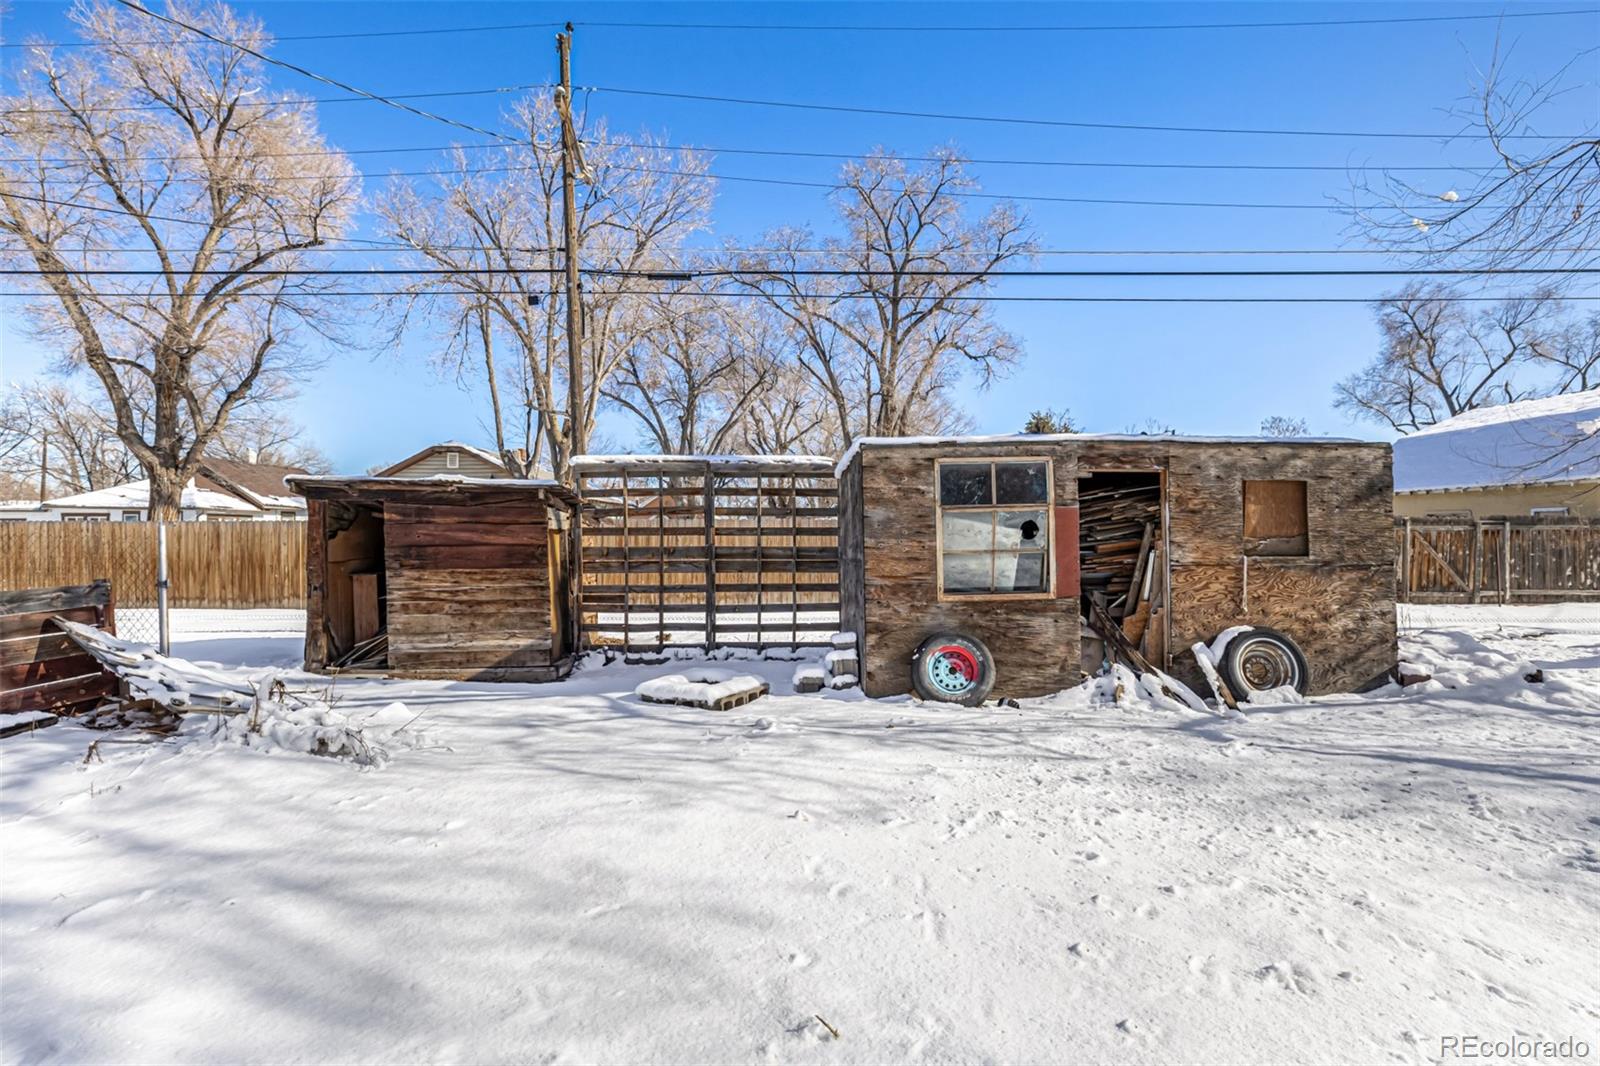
(163, 630)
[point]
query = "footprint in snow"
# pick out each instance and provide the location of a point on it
(1288, 977)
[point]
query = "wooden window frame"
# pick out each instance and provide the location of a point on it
(1048, 505)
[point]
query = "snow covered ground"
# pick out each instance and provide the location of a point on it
(565, 873)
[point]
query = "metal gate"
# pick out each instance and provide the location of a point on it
(723, 552)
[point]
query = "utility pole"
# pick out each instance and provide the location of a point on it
(571, 165)
(44, 466)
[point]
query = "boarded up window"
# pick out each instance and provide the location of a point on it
(1275, 518)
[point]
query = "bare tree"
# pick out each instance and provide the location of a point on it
(1283, 426)
(1438, 359)
(692, 375)
(1533, 202)
(1573, 353)
(53, 429)
(497, 239)
(176, 156)
(889, 319)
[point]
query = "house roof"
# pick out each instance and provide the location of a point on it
(1553, 440)
(445, 488)
(135, 495)
(443, 446)
(1063, 438)
(259, 483)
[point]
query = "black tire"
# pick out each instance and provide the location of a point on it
(1261, 659)
(952, 668)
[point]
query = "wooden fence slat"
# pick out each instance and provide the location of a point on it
(1507, 559)
(211, 564)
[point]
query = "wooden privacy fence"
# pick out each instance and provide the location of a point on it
(1497, 560)
(733, 552)
(209, 564)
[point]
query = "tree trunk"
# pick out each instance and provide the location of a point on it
(166, 495)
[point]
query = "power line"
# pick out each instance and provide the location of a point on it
(369, 293)
(1053, 122)
(506, 146)
(313, 75)
(1114, 165)
(845, 249)
(669, 274)
(497, 90)
(896, 28)
(1030, 198)
(1081, 27)
(198, 222)
(831, 186)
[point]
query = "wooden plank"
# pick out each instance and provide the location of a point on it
(36, 648)
(55, 600)
(59, 697)
(364, 599)
(41, 623)
(41, 671)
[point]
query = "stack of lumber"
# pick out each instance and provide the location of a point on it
(1117, 528)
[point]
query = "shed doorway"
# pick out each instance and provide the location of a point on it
(1122, 552)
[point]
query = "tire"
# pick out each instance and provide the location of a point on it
(952, 668)
(1262, 659)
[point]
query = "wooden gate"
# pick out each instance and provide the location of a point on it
(1497, 560)
(730, 552)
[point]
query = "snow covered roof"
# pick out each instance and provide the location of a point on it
(262, 484)
(602, 461)
(1060, 438)
(1547, 441)
(135, 495)
(20, 505)
(378, 480)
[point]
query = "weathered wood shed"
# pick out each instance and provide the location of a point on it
(1006, 538)
(465, 577)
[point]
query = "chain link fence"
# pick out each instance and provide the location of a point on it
(213, 566)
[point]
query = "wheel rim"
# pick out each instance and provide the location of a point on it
(1266, 664)
(952, 670)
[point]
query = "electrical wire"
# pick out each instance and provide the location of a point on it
(370, 293)
(1052, 122)
(896, 28)
(313, 75)
(668, 274)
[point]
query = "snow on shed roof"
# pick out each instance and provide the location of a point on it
(135, 495)
(1058, 438)
(1547, 441)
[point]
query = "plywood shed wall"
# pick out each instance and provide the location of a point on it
(471, 575)
(1335, 598)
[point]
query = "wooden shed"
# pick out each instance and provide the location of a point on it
(440, 577)
(1010, 538)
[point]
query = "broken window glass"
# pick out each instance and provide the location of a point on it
(967, 573)
(988, 547)
(965, 485)
(968, 530)
(1020, 529)
(1022, 482)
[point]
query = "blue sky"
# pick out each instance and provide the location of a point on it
(1201, 368)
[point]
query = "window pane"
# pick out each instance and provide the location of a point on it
(966, 573)
(968, 530)
(1019, 573)
(1021, 529)
(1022, 482)
(964, 484)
